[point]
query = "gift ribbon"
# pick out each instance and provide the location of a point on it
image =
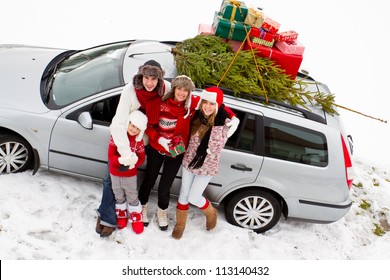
(235, 4)
(231, 31)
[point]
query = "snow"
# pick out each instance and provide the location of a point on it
(52, 217)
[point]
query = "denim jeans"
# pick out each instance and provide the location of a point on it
(106, 209)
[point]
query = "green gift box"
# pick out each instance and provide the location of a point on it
(234, 10)
(227, 29)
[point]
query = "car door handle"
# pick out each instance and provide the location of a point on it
(241, 167)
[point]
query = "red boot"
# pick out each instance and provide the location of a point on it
(135, 217)
(121, 215)
(136, 222)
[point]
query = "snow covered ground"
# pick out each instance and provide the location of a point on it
(52, 217)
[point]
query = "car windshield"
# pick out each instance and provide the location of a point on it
(86, 73)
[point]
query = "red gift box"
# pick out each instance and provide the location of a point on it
(289, 62)
(271, 25)
(286, 36)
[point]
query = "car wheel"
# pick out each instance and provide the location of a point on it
(15, 154)
(254, 209)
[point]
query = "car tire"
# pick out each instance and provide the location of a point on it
(16, 154)
(254, 209)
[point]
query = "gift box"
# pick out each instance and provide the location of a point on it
(227, 29)
(234, 10)
(271, 25)
(234, 44)
(290, 63)
(293, 47)
(176, 146)
(286, 36)
(254, 18)
(205, 29)
(263, 42)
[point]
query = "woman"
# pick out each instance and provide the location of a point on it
(173, 126)
(209, 133)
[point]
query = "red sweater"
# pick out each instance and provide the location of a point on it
(137, 147)
(172, 123)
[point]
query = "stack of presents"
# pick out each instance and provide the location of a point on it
(236, 23)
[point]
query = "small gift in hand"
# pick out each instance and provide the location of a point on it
(176, 146)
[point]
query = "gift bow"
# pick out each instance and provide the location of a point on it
(255, 12)
(235, 2)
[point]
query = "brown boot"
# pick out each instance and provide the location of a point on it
(107, 231)
(181, 219)
(211, 216)
(99, 227)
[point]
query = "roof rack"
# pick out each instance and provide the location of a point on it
(307, 114)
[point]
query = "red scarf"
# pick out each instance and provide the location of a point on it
(150, 102)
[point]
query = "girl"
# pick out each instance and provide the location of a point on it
(209, 134)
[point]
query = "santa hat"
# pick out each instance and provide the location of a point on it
(139, 120)
(185, 82)
(151, 68)
(212, 94)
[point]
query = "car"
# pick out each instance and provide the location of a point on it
(57, 105)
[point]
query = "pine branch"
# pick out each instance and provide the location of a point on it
(206, 59)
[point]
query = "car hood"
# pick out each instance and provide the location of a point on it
(21, 69)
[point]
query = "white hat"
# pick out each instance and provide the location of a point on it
(139, 120)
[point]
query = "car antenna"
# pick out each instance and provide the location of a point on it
(134, 54)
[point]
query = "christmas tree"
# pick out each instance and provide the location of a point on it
(210, 60)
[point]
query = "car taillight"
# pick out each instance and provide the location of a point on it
(348, 164)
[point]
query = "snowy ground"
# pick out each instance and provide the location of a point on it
(48, 216)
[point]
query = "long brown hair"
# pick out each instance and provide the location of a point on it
(202, 123)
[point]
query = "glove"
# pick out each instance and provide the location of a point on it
(130, 160)
(164, 142)
(234, 122)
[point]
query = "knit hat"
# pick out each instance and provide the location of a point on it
(139, 120)
(151, 68)
(212, 94)
(181, 81)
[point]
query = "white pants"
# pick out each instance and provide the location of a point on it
(192, 188)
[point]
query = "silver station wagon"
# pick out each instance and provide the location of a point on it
(56, 107)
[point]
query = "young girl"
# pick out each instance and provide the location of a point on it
(124, 178)
(209, 134)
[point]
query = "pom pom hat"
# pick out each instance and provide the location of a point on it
(139, 120)
(212, 94)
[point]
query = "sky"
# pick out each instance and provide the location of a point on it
(346, 48)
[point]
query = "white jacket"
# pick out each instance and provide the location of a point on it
(128, 102)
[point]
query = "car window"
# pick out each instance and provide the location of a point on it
(103, 111)
(294, 143)
(244, 137)
(88, 72)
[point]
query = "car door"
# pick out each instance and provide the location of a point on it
(81, 150)
(241, 160)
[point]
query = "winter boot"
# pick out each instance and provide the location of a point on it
(162, 218)
(99, 227)
(135, 218)
(121, 215)
(107, 231)
(181, 220)
(145, 215)
(211, 216)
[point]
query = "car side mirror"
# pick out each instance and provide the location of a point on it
(85, 120)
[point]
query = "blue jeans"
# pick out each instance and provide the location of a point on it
(106, 209)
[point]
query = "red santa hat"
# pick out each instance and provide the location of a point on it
(212, 94)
